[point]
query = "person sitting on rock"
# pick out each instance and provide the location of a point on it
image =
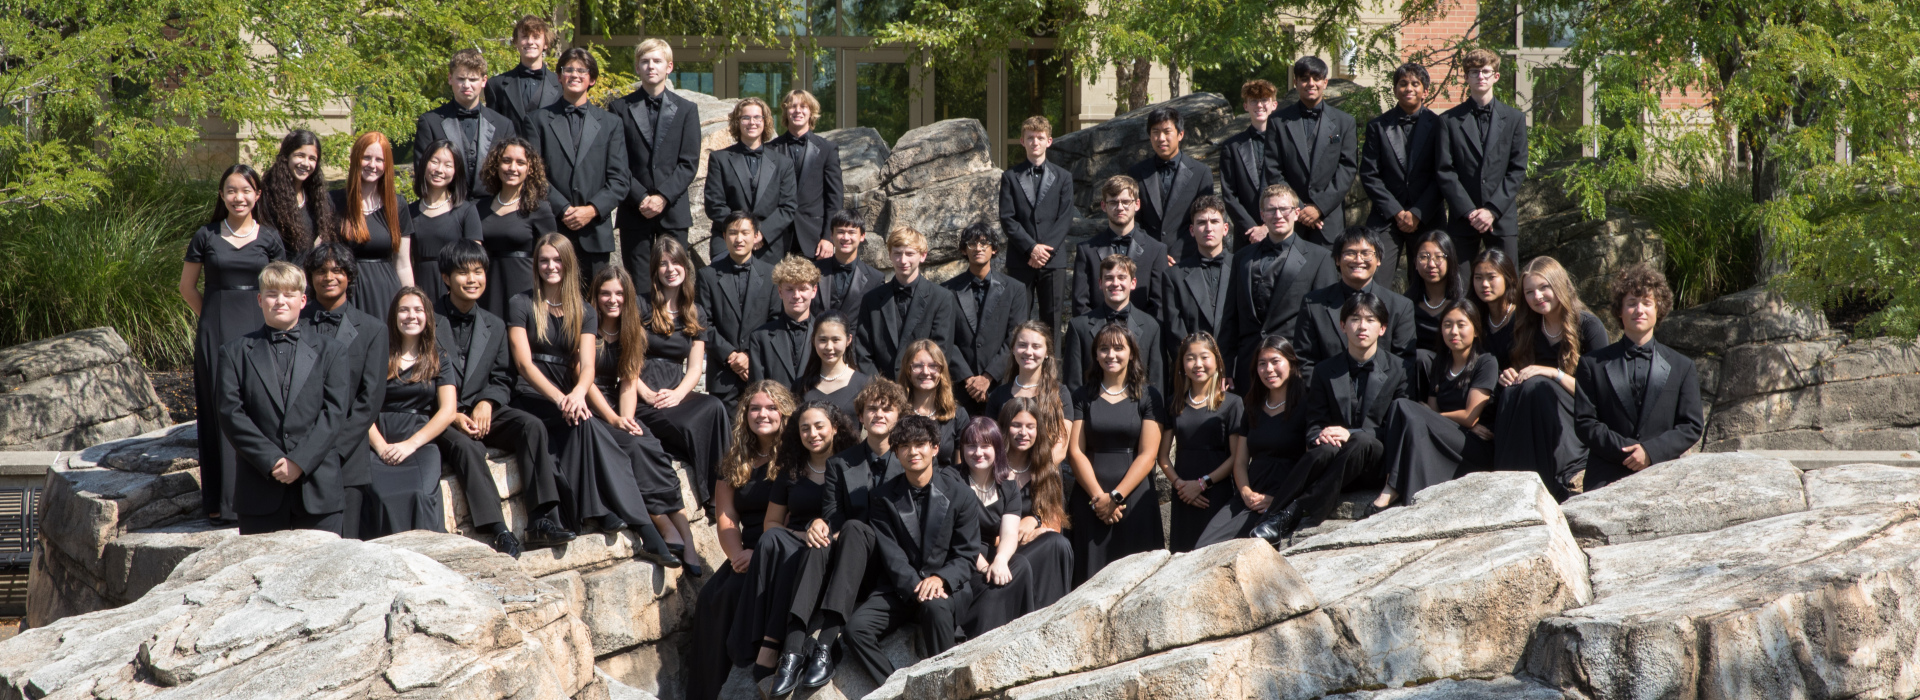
(908, 308)
(1319, 334)
(331, 272)
(737, 289)
(778, 350)
(1533, 409)
(1638, 401)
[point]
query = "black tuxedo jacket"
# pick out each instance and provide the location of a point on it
(1317, 163)
(1189, 307)
(264, 424)
(661, 159)
(1308, 267)
(1317, 335)
(728, 325)
(1330, 398)
(1150, 264)
(365, 340)
(1167, 220)
(506, 93)
(1475, 174)
(884, 334)
(771, 354)
(441, 124)
(981, 334)
(865, 278)
(1076, 349)
(1604, 413)
(1045, 220)
(484, 368)
(850, 483)
(593, 173)
(1394, 186)
(1242, 177)
(944, 547)
(818, 192)
(769, 197)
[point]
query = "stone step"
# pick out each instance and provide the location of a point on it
(1821, 459)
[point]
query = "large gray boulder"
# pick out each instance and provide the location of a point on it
(74, 390)
(1828, 394)
(1700, 493)
(938, 180)
(1110, 147)
(1592, 250)
(1741, 318)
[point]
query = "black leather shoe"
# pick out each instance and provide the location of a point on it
(679, 550)
(786, 676)
(819, 667)
(666, 559)
(543, 533)
(1374, 509)
(1279, 525)
(506, 543)
(612, 525)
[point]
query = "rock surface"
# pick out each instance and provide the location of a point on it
(1592, 250)
(74, 390)
(1704, 493)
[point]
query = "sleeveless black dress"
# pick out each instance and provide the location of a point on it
(407, 494)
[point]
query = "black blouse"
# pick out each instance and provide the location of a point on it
(556, 355)
(802, 498)
(750, 502)
(1593, 336)
(842, 399)
(1202, 437)
(432, 234)
(1102, 436)
(1449, 391)
(419, 398)
(998, 398)
(511, 232)
(1282, 436)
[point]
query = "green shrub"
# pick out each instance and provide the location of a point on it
(1708, 229)
(115, 263)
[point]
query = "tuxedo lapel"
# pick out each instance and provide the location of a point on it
(1249, 155)
(1417, 145)
(1342, 386)
(941, 506)
(1302, 146)
(304, 357)
(1656, 381)
(968, 307)
(902, 502)
(1047, 181)
(763, 185)
(1290, 270)
(813, 151)
(558, 123)
(348, 330)
(738, 164)
(589, 128)
(1219, 306)
(1152, 186)
(1622, 386)
(457, 135)
(667, 112)
(1196, 283)
(476, 352)
(1471, 127)
(1319, 136)
(642, 122)
(260, 354)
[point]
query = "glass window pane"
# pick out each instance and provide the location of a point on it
(826, 88)
(767, 80)
(1548, 28)
(695, 76)
(866, 17)
(881, 94)
(1496, 23)
(1037, 83)
(825, 17)
(960, 94)
(1556, 106)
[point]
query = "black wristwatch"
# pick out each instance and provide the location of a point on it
(1206, 481)
(1116, 496)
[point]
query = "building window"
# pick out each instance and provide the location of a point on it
(1038, 82)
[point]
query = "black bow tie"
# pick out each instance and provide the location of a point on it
(287, 336)
(1311, 112)
(1482, 110)
(1120, 315)
(1640, 352)
(1170, 165)
(902, 291)
(654, 101)
(1363, 367)
(833, 266)
(1215, 261)
(571, 110)
(1408, 119)
(979, 283)
(755, 152)
(464, 113)
(793, 324)
(537, 72)
(333, 317)
(459, 319)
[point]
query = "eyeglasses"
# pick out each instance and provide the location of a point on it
(575, 70)
(1123, 202)
(1483, 73)
(1280, 210)
(1431, 258)
(1356, 254)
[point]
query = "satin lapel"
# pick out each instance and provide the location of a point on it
(589, 128)
(1319, 137)
(813, 150)
(1397, 145)
(260, 353)
(1495, 133)
(304, 357)
(476, 353)
(1622, 387)
(1471, 127)
(1196, 285)
(486, 141)
(1220, 297)
(757, 288)
(941, 506)
(967, 306)
(1047, 181)
(1656, 380)
(518, 96)
(1152, 186)
(348, 330)
(1289, 270)
(1135, 249)
(457, 135)
(738, 164)
(1302, 147)
(1342, 386)
(1249, 153)
(644, 124)
(549, 92)
(566, 138)
(1376, 384)
(667, 111)
(996, 294)
(787, 359)
(763, 185)
(1416, 146)
(1186, 182)
(902, 503)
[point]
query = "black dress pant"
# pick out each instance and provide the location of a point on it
(1048, 287)
(1468, 242)
(1354, 464)
(292, 515)
(513, 430)
(1423, 449)
(775, 574)
(1535, 433)
(936, 623)
(714, 615)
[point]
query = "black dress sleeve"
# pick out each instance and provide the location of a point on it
(1593, 333)
(1486, 373)
(542, 218)
(1152, 408)
(1012, 501)
(197, 246)
(1233, 414)
(276, 246)
(520, 311)
(447, 376)
(1080, 401)
(470, 223)
(781, 491)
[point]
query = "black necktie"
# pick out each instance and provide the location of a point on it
(1361, 373)
(1033, 184)
(979, 286)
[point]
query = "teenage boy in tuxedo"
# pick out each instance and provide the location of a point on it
(1481, 163)
(908, 308)
(330, 269)
(1243, 162)
(662, 133)
(585, 149)
(747, 176)
(519, 93)
(1117, 283)
(844, 278)
(473, 128)
(1170, 181)
(1196, 297)
(1310, 147)
(1271, 280)
(1120, 201)
(737, 293)
(475, 342)
(991, 304)
(1397, 170)
(1319, 333)
(778, 349)
(283, 398)
(816, 174)
(1036, 211)
(1637, 401)
(1347, 403)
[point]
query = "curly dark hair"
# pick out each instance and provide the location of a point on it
(280, 200)
(534, 191)
(1642, 281)
(913, 430)
(794, 456)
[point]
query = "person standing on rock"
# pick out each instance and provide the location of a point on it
(1637, 402)
(991, 306)
(663, 152)
(1481, 162)
(1552, 330)
(1036, 212)
(747, 176)
(518, 94)
(331, 273)
(1197, 286)
(1320, 334)
(1243, 163)
(1171, 181)
(1120, 201)
(816, 174)
(1118, 426)
(230, 249)
(1310, 147)
(282, 400)
(909, 307)
(1271, 280)
(738, 290)
(471, 128)
(1209, 441)
(844, 278)
(1397, 170)
(585, 150)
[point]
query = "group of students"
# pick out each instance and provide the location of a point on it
(886, 451)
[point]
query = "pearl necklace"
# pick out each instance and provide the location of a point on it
(506, 203)
(1016, 382)
(554, 304)
(228, 231)
(1103, 390)
(1196, 403)
(1020, 471)
(1272, 406)
(821, 470)
(1432, 307)
(842, 375)
(434, 206)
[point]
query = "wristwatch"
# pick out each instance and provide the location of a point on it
(1117, 496)
(1206, 481)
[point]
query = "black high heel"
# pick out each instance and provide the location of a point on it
(654, 548)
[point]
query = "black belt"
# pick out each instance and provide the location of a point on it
(413, 411)
(236, 288)
(516, 254)
(555, 359)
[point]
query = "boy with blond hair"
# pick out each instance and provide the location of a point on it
(663, 152)
(816, 173)
(908, 308)
(1036, 212)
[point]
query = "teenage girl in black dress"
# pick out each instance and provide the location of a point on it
(295, 200)
(1209, 440)
(817, 432)
(1031, 446)
(1116, 439)
(724, 637)
(692, 425)
(375, 225)
(1551, 330)
(830, 374)
(512, 219)
(1427, 442)
(1276, 437)
(422, 398)
(1002, 585)
(929, 385)
(442, 215)
(1438, 284)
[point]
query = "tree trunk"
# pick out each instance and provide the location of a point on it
(1137, 90)
(1769, 259)
(1173, 79)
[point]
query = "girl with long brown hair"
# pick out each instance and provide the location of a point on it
(421, 399)
(723, 633)
(1115, 442)
(1048, 553)
(1034, 372)
(929, 384)
(1276, 439)
(512, 219)
(1209, 428)
(1551, 330)
(658, 377)
(294, 201)
(375, 225)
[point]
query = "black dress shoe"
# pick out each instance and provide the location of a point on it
(760, 673)
(679, 550)
(819, 667)
(1373, 509)
(612, 525)
(1279, 525)
(666, 559)
(786, 676)
(543, 533)
(506, 543)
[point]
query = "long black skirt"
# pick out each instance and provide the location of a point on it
(1534, 433)
(1097, 544)
(1424, 449)
(404, 496)
(1050, 559)
(714, 614)
(225, 314)
(594, 475)
(652, 471)
(1234, 520)
(375, 285)
(993, 606)
(775, 571)
(696, 432)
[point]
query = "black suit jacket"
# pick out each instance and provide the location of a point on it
(1317, 334)
(1045, 220)
(593, 173)
(365, 340)
(1242, 177)
(770, 354)
(264, 424)
(662, 160)
(1475, 174)
(506, 93)
(1393, 186)
(769, 197)
(818, 192)
(1330, 398)
(1190, 307)
(728, 326)
(484, 368)
(1167, 220)
(850, 483)
(441, 124)
(1150, 264)
(1318, 164)
(1666, 424)
(865, 278)
(944, 547)
(981, 334)
(1308, 267)
(883, 334)
(1076, 349)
